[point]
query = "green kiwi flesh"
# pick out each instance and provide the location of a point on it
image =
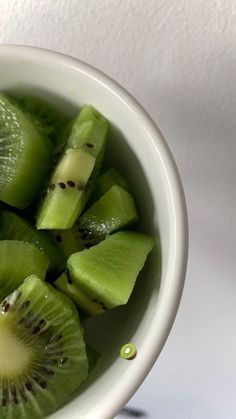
(25, 155)
(62, 205)
(14, 227)
(72, 290)
(108, 179)
(114, 211)
(17, 261)
(108, 271)
(90, 132)
(70, 240)
(44, 111)
(50, 119)
(42, 351)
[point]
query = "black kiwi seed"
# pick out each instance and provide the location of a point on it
(62, 185)
(58, 239)
(4, 402)
(6, 308)
(81, 186)
(52, 187)
(36, 330)
(25, 304)
(71, 183)
(90, 145)
(43, 384)
(64, 360)
(29, 385)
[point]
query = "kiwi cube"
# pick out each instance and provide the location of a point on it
(108, 271)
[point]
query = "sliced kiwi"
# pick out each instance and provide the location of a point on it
(72, 290)
(45, 111)
(25, 155)
(17, 261)
(62, 205)
(71, 241)
(73, 179)
(108, 179)
(107, 272)
(14, 227)
(42, 351)
(49, 118)
(115, 210)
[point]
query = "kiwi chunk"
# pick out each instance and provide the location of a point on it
(17, 261)
(115, 210)
(62, 205)
(107, 272)
(74, 177)
(25, 154)
(42, 351)
(49, 118)
(108, 179)
(14, 227)
(49, 114)
(71, 241)
(72, 290)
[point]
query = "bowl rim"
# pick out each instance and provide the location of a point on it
(180, 234)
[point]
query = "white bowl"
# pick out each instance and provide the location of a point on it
(138, 148)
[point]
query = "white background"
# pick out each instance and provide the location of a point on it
(178, 58)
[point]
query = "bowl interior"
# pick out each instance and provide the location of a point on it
(148, 166)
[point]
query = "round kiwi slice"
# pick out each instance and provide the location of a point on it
(42, 351)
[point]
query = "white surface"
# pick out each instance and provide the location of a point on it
(178, 58)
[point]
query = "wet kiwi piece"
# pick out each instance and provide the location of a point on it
(17, 261)
(62, 204)
(91, 133)
(73, 178)
(108, 179)
(114, 211)
(107, 272)
(25, 155)
(49, 118)
(42, 351)
(44, 111)
(14, 227)
(70, 241)
(72, 290)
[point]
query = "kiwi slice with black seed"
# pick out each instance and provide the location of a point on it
(108, 271)
(71, 241)
(114, 211)
(42, 351)
(25, 155)
(79, 297)
(15, 227)
(73, 178)
(17, 261)
(62, 204)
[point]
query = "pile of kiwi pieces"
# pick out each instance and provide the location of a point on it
(69, 246)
